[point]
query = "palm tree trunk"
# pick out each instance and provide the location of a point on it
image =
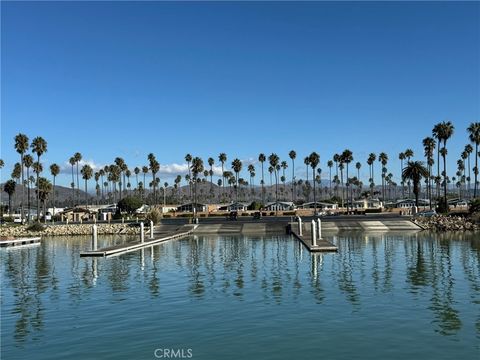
(38, 193)
(86, 194)
(53, 199)
(23, 189)
(476, 171)
(445, 178)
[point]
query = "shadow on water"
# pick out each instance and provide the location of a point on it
(273, 270)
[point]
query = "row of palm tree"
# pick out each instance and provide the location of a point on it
(119, 174)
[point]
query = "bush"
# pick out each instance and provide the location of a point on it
(254, 206)
(474, 206)
(129, 204)
(154, 215)
(441, 208)
(289, 213)
(36, 227)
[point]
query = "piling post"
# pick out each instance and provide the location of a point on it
(314, 233)
(319, 222)
(300, 226)
(142, 235)
(94, 237)
(151, 229)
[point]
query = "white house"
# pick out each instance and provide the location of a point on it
(280, 206)
(190, 206)
(320, 205)
(235, 206)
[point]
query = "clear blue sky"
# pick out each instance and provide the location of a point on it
(125, 79)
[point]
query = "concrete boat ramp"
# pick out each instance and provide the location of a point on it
(166, 232)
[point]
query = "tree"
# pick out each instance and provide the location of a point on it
(415, 171)
(9, 188)
(330, 165)
(145, 171)
(222, 157)
(313, 160)
(445, 131)
(371, 161)
(210, 163)
(188, 159)
(429, 148)
(196, 168)
(383, 158)
(236, 167)
(28, 162)
(402, 157)
(129, 204)
(87, 173)
(72, 163)
(121, 165)
(154, 168)
(77, 158)
(347, 158)
(44, 188)
(468, 151)
(274, 160)
(262, 159)
(474, 136)
(136, 171)
(39, 147)
(21, 146)
(293, 155)
(54, 170)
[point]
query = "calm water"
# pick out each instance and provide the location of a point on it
(381, 296)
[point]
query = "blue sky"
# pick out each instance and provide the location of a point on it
(126, 79)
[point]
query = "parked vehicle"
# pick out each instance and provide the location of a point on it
(427, 213)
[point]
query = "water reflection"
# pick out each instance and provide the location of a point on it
(439, 273)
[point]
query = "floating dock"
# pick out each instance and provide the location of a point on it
(185, 230)
(19, 241)
(306, 238)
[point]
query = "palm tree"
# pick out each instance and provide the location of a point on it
(136, 171)
(383, 158)
(145, 171)
(54, 170)
(188, 159)
(284, 166)
(474, 136)
(402, 157)
(28, 162)
(37, 169)
(274, 160)
(222, 157)
(210, 163)
(445, 131)
(39, 147)
(415, 171)
(409, 154)
(313, 160)
(262, 158)
(293, 155)
(237, 167)
(197, 168)
(78, 157)
(44, 187)
(21, 146)
(347, 158)
(87, 173)
(436, 135)
(154, 168)
(429, 147)
(128, 173)
(9, 188)
(121, 165)
(467, 151)
(251, 171)
(371, 161)
(330, 165)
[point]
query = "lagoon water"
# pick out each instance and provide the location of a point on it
(392, 296)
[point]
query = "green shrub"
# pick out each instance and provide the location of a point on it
(254, 206)
(36, 227)
(154, 215)
(474, 206)
(289, 213)
(441, 208)
(129, 204)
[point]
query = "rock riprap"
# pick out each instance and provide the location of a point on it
(73, 229)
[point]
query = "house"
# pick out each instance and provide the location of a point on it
(280, 206)
(235, 206)
(77, 214)
(319, 205)
(190, 206)
(366, 204)
(409, 203)
(457, 203)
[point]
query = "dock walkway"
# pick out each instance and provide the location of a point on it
(306, 239)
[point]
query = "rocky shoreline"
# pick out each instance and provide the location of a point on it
(67, 230)
(445, 223)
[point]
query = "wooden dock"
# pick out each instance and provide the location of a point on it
(124, 248)
(306, 238)
(19, 241)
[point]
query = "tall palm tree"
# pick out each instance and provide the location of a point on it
(121, 165)
(210, 163)
(251, 172)
(21, 146)
(474, 136)
(196, 168)
(415, 171)
(274, 160)
(28, 162)
(409, 154)
(87, 173)
(446, 130)
(16, 175)
(145, 171)
(383, 158)
(9, 188)
(330, 165)
(429, 148)
(402, 157)
(39, 147)
(44, 187)
(236, 167)
(154, 168)
(188, 159)
(468, 150)
(136, 171)
(262, 158)
(436, 135)
(284, 167)
(128, 173)
(293, 155)
(222, 157)
(313, 160)
(37, 169)
(371, 161)
(54, 170)
(78, 157)
(347, 158)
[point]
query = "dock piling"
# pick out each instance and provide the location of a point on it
(94, 237)
(300, 226)
(314, 233)
(142, 235)
(151, 229)
(319, 222)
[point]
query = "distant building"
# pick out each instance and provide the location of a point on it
(366, 204)
(77, 214)
(280, 206)
(236, 206)
(319, 205)
(453, 203)
(190, 206)
(409, 203)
